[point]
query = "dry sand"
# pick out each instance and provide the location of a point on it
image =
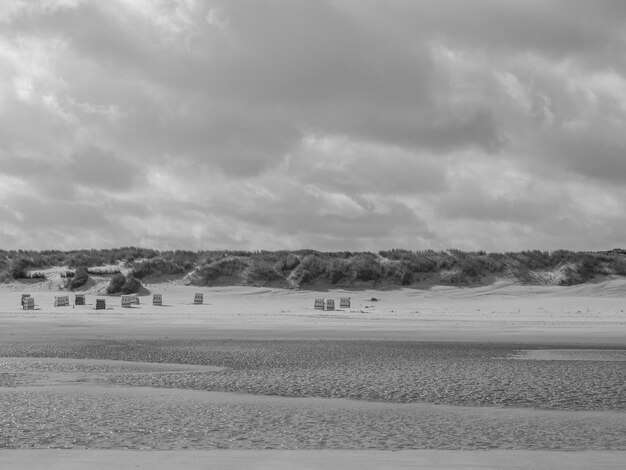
(589, 315)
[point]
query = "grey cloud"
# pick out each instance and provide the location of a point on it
(578, 232)
(24, 166)
(241, 105)
(92, 30)
(7, 215)
(30, 128)
(469, 201)
(37, 214)
(598, 155)
(382, 170)
(115, 209)
(228, 104)
(97, 168)
(46, 223)
(555, 29)
(234, 141)
(437, 131)
(44, 178)
(298, 211)
(91, 167)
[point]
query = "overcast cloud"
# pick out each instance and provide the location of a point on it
(333, 125)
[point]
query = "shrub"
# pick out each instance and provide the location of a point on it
(406, 274)
(589, 267)
(116, 283)
(338, 270)
(80, 278)
(471, 268)
(18, 268)
(581, 272)
(131, 286)
(289, 263)
(367, 267)
(310, 269)
(619, 267)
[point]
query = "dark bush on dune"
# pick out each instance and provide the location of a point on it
(116, 283)
(338, 270)
(121, 284)
(405, 274)
(18, 268)
(288, 263)
(131, 286)
(367, 267)
(80, 278)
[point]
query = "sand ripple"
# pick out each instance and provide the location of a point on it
(450, 373)
(139, 419)
(161, 394)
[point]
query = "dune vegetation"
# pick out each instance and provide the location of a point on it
(311, 269)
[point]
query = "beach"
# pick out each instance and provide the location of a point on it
(503, 376)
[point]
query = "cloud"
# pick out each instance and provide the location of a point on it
(339, 164)
(94, 167)
(336, 124)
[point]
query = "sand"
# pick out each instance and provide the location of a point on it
(58, 459)
(589, 316)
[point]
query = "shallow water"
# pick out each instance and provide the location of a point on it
(597, 355)
(149, 394)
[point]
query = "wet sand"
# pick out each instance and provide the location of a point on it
(57, 459)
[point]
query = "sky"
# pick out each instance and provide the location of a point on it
(329, 124)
